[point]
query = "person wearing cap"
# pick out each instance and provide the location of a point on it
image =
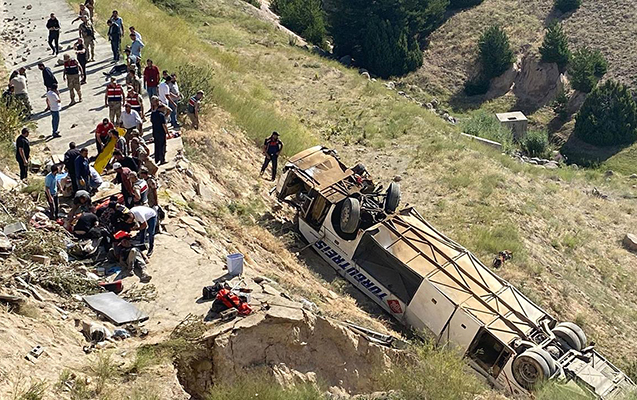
(101, 134)
(129, 256)
(72, 71)
(122, 177)
(47, 76)
(113, 100)
(140, 190)
(193, 109)
(146, 217)
(115, 37)
(272, 147)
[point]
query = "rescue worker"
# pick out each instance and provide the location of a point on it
(272, 147)
(72, 71)
(129, 256)
(193, 109)
(113, 100)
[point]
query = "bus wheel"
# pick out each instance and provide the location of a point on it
(575, 329)
(350, 215)
(393, 198)
(530, 369)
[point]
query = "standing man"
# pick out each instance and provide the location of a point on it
(69, 162)
(163, 91)
(84, 12)
(82, 172)
(19, 82)
(113, 100)
(140, 190)
(134, 99)
(173, 99)
(131, 121)
(53, 25)
(271, 149)
(53, 104)
(115, 37)
(138, 35)
(136, 50)
(80, 53)
(193, 109)
(23, 152)
(72, 72)
(87, 32)
(51, 192)
(101, 134)
(133, 81)
(90, 6)
(47, 76)
(160, 131)
(118, 20)
(151, 79)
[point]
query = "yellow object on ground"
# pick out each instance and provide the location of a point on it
(107, 153)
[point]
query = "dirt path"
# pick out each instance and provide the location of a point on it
(24, 44)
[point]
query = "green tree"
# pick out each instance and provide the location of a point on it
(608, 116)
(586, 69)
(554, 48)
(455, 4)
(372, 32)
(305, 17)
(496, 55)
(567, 5)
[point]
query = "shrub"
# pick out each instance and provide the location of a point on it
(496, 55)
(567, 5)
(608, 116)
(193, 78)
(304, 17)
(454, 4)
(536, 143)
(11, 121)
(587, 68)
(486, 125)
(560, 104)
(554, 48)
(476, 86)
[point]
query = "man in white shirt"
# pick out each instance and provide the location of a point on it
(173, 97)
(147, 219)
(53, 102)
(163, 91)
(131, 119)
(19, 82)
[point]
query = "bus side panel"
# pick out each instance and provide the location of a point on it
(460, 331)
(429, 308)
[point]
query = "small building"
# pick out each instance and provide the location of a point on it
(516, 121)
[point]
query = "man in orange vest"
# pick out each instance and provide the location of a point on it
(113, 100)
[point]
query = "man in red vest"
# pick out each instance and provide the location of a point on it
(271, 149)
(113, 100)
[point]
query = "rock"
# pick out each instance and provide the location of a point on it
(14, 228)
(44, 260)
(633, 176)
(630, 242)
(435, 103)
(204, 24)
(5, 244)
(194, 224)
(532, 162)
(390, 85)
(537, 83)
(609, 173)
(366, 75)
(551, 165)
(29, 7)
(346, 60)
(7, 183)
(401, 93)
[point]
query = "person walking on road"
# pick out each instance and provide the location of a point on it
(115, 37)
(87, 33)
(51, 192)
(69, 163)
(82, 171)
(193, 109)
(272, 147)
(113, 100)
(47, 76)
(72, 72)
(90, 6)
(102, 134)
(80, 54)
(53, 25)
(151, 79)
(160, 130)
(118, 20)
(23, 152)
(53, 104)
(84, 12)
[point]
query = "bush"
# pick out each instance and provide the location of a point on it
(496, 55)
(567, 5)
(608, 116)
(305, 17)
(536, 143)
(587, 68)
(191, 79)
(486, 125)
(11, 121)
(477, 86)
(560, 104)
(455, 4)
(554, 48)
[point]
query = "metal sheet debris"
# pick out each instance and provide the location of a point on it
(117, 310)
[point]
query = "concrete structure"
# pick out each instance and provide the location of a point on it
(516, 121)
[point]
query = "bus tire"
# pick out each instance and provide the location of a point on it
(350, 215)
(569, 337)
(547, 357)
(578, 331)
(392, 199)
(530, 369)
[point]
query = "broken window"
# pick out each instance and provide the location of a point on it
(489, 353)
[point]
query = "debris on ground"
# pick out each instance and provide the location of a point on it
(499, 260)
(138, 293)
(116, 309)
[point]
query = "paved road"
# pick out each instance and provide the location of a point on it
(24, 44)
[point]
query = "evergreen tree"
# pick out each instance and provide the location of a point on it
(496, 55)
(567, 5)
(586, 69)
(305, 17)
(455, 4)
(554, 48)
(608, 116)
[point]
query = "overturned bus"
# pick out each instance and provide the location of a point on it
(429, 283)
